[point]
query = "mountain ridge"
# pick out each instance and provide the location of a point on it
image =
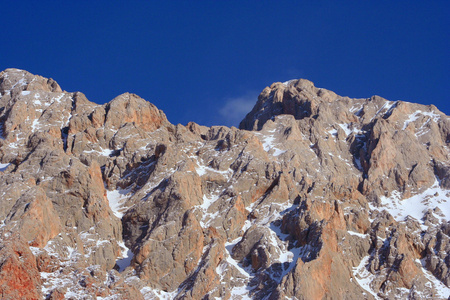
(310, 202)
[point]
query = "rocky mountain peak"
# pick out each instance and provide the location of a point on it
(299, 98)
(21, 80)
(316, 196)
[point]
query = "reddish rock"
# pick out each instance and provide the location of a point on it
(19, 276)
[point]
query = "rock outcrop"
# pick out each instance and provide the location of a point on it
(315, 196)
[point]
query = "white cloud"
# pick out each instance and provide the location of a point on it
(236, 108)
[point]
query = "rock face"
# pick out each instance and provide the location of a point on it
(315, 196)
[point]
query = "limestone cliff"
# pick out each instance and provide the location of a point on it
(315, 196)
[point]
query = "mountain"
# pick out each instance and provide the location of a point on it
(316, 196)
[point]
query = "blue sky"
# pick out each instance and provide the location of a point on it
(207, 61)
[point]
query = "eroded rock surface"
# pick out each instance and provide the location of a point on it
(316, 196)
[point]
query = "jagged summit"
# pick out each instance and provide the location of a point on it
(301, 99)
(317, 196)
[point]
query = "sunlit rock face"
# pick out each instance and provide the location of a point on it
(315, 196)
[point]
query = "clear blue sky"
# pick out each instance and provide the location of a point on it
(206, 61)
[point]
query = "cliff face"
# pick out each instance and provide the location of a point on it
(316, 196)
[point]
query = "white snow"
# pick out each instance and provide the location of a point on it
(113, 297)
(386, 106)
(4, 166)
(417, 205)
(441, 289)
(358, 234)
(286, 83)
(416, 116)
(208, 217)
(346, 128)
(202, 169)
(207, 201)
(126, 257)
(229, 246)
(268, 144)
(356, 108)
(389, 104)
(152, 294)
(106, 152)
(103, 152)
(278, 152)
(333, 132)
(116, 199)
(35, 126)
(239, 291)
(364, 277)
(58, 99)
(19, 83)
(25, 93)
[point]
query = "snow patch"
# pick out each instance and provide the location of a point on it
(24, 93)
(152, 294)
(441, 289)
(333, 132)
(125, 258)
(364, 277)
(417, 205)
(103, 152)
(116, 199)
(346, 128)
(19, 83)
(361, 235)
(268, 142)
(416, 116)
(35, 126)
(286, 83)
(202, 169)
(3, 167)
(208, 217)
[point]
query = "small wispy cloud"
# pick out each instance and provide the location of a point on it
(236, 108)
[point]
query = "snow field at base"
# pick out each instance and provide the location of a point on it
(417, 206)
